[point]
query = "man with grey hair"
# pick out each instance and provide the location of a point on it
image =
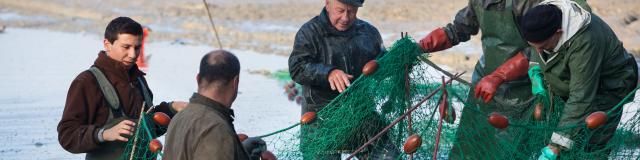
(329, 51)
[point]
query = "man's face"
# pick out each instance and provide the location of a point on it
(341, 15)
(549, 44)
(125, 49)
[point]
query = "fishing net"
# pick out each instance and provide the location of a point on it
(372, 113)
(142, 144)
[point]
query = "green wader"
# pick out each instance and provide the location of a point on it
(501, 40)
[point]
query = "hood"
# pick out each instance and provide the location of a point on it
(574, 18)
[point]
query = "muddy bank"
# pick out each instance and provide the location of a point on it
(269, 26)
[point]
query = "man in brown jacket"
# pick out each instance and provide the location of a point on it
(204, 130)
(90, 122)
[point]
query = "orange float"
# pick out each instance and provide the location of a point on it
(498, 120)
(370, 67)
(412, 144)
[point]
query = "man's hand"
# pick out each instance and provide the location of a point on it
(254, 146)
(178, 105)
(339, 80)
(486, 88)
(514, 68)
(435, 41)
(116, 132)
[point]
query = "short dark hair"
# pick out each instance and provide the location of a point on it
(122, 25)
(219, 66)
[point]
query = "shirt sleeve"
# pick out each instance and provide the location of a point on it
(464, 26)
(74, 133)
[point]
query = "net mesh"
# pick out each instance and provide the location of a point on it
(140, 145)
(403, 78)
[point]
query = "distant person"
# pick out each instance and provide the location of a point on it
(584, 63)
(502, 57)
(100, 121)
(204, 130)
(142, 58)
(329, 51)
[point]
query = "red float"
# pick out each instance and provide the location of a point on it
(498, 120)
(308, 117)
(161, 119)
(412, 144)
(370, 67)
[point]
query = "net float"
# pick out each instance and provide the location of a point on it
(161, 119)
(242, 137)
(446, 112)
(308, 117)
(155, 146)
(291, 96)
(412, 144)
(267, 155)
(498, 120)
(291, 84)
(596, 119)
(537, 112)
(370, 67)
(299, 100)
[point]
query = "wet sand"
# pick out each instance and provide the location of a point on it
(269, 27)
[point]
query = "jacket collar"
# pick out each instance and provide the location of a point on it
(330, 29)
(116, 69)
(200, 99)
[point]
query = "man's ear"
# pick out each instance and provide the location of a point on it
(236, 80)
(107, 45)
(198, 79)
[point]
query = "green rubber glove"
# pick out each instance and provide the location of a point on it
(547, 154)
(537, 84)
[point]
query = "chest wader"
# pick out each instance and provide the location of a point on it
(501, 40)
(113, 150)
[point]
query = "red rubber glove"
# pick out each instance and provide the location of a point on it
(435, 41)
(512, 69)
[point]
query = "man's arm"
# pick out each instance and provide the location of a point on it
(464, 25)
(74, 133)
(304, 66)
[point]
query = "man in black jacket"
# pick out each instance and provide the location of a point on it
(329, 52)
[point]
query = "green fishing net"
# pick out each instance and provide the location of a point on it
(140, 145)
(405, 77)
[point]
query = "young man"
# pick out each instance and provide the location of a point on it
(104, 101)
(585, 64)
(204, 130)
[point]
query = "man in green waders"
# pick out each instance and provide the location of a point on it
(583, 62)
(503, 47)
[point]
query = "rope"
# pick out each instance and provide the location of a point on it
(278, 131)
(206, 6)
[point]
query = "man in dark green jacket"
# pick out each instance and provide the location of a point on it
(585, 64)
(204, 130)
(501, 41)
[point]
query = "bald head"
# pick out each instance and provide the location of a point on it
(218, 66)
